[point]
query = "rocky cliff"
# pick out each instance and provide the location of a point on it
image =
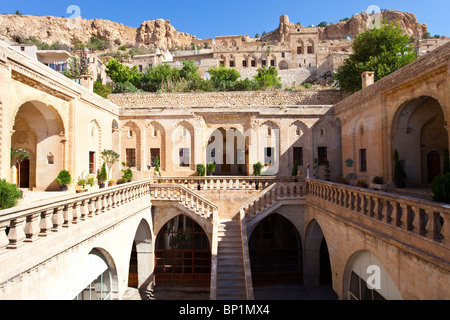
(360, 22)
(161, 34)
(352, 27)
(152, 34)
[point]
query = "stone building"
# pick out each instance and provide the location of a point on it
(232, 234)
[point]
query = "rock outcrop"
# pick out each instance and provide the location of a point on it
(151, 34)
(352, 27)
(360, 22)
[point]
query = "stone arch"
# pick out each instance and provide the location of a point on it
(283, 65)
(95, 143)
(40, 128)
(364, 267)
(140, 273)
(131, 138)
(301, 45)
(317, 265)
(226, 148)
(281, 239)
(269, 135)
(178, 242)
(158, 140)
(98, 268)
(183, 137)
(310, 46)
(418, 128)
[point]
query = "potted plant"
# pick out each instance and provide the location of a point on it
(127, 174)
(399, 172)
(211, 167)
(378, 183)
(201, 170)
(351, 177)
(64, 179)
(257, 169)
(157, 166)
(102, 176)
(361, 184)
(111, 182)
(81, 185)
(342, 180)
(90, 181)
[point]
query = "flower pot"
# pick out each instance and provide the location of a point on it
(101, 185)
(63, 188)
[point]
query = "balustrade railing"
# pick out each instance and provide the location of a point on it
(274, 193)
(27, 223)
(423, 218)
(224, 182)
(185, 196)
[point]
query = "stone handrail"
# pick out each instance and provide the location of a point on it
(424, 219)
(224, 182)
(276, 192)
(27, 223)
(188, 198)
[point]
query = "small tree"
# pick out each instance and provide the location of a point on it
(383, 50)
(295, 168)
(109, 157)
(157, 166)
(101, 175)
(440, 186)
(18, 155)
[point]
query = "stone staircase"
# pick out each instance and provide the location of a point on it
(231, 282)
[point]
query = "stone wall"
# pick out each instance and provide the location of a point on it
(244, 98)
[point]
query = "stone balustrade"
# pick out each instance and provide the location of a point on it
(27, 223)
(416, 217)
(276, 192)
(183, 195)
(224, 182)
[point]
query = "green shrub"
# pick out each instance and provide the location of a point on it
(257, 169)
(441, 188)
(64, 178)
(211, 167)
(378, 180)
(9, 194)
(201, 170)
(101, 175)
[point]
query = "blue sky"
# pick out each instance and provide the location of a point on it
(206, 19)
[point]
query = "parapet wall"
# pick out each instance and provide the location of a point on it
(235, 98)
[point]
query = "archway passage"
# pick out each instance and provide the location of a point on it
(39, 129)
(420, 136)
(183, 255)
(226, 148)
(275, 252)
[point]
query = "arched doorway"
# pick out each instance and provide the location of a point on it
(226, 148)
(419, 135)
(96, 278)
(275, 252)
(141, 259)
(365, 278)
(182, 255)
(317, 267)
(39, 129)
